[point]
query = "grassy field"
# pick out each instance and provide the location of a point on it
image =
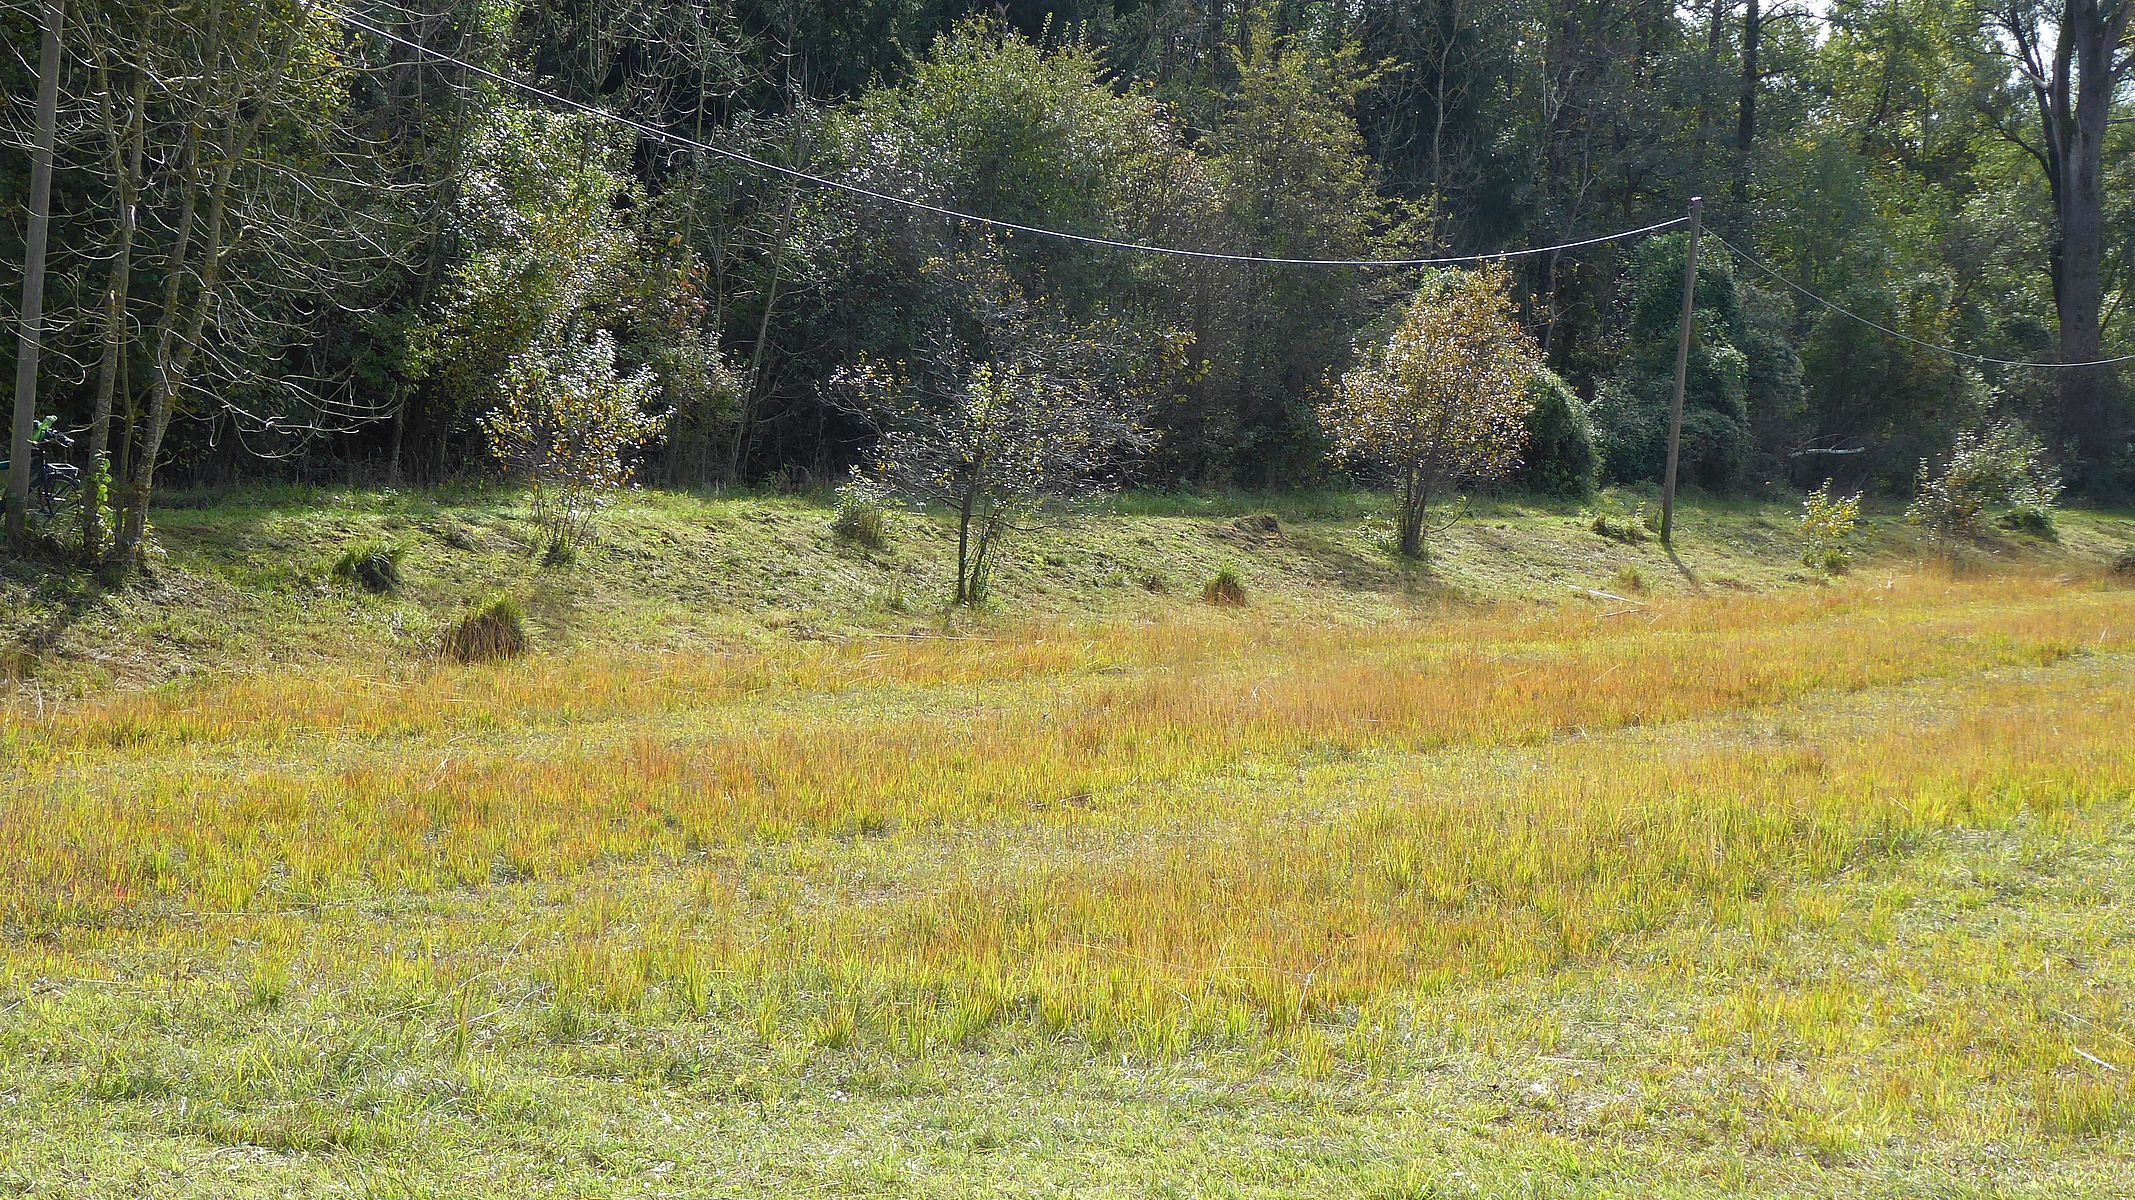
(758, 878)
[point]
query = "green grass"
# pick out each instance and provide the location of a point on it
(1444, 880)
(248, 579)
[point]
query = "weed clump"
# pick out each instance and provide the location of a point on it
(1226, 590)
(1613, 523)
(861, 519)
(371, 564)
(2124, 565)
(493, 631)
(560, 550)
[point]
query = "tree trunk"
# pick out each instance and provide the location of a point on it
(2090, 40)
(32, 328)
(146, 444)
(963, 547)
(1746, 104)
(127, 151)
(2072, 80)
(1415, 504)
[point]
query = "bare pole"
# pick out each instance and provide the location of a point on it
(32, 327)
(1682, 370)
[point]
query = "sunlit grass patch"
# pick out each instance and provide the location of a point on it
(1815, 892)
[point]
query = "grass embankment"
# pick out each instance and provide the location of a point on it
(265, 579)
(1815, 891)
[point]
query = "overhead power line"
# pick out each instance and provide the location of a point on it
(1878, 326)
(823, 181)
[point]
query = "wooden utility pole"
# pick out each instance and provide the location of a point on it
(32, 329)
(1682, 370)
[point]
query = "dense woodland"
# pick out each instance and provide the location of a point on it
(286, 243)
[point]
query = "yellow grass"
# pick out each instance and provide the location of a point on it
(1336, 851)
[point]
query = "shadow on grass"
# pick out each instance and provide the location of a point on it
(1683, 568)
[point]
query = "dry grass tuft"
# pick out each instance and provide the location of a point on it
(493, 632)
(1225, 590)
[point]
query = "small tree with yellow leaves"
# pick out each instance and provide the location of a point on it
(1443, 402)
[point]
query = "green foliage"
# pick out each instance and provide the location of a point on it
(492, 631)
(1560, 458)
(372, 564)
(1829, 529)
(2002, 471)
(397, 239)
(1631, 409)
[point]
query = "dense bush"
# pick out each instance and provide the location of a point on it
(1560, 458)
(2002, 472)
(1631, 408)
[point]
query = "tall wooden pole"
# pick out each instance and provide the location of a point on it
(1682, 370)
(32, 329)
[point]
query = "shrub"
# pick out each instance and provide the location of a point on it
(569, 424)
(2124, 565)
(492, 631)
(1630, 579)
(372, 564)
(860, 517)
(1560, 459)
(1829, 525)
(1226, 590)
(999, 423)
(2001, 470)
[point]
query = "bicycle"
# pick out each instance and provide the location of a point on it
(50, 479)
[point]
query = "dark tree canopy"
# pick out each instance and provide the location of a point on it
(319, 258)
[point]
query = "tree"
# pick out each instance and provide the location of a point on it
(1444, 401)
(1013, 414)
(2070, 57)
(1296, 180)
